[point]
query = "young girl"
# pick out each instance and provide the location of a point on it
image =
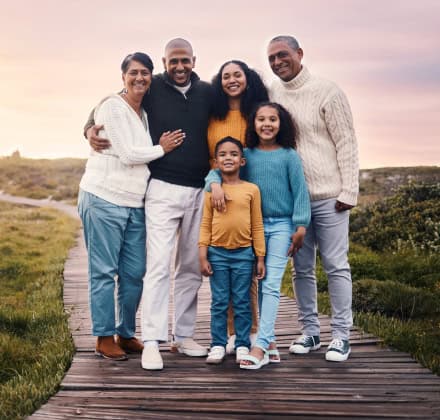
(275, 167)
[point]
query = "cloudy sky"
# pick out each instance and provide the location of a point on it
(58, 58)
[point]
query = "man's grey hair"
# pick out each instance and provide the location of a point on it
(291, 41)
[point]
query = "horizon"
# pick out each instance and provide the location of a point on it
(383, 55)
(85, 159)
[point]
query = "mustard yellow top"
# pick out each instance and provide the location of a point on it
(240, 226)
(233, 125)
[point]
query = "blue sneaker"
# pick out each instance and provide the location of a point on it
(304, 344)
(338, 350)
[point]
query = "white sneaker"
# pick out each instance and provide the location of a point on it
(230, 347)
(216, 355)
(241, 351)
(338, 350)
(151, 358)
(189, 347)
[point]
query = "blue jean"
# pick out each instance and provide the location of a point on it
(328, 231)
(115, 241)
(277, 232)
(231, 281)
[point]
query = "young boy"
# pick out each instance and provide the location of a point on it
(226, 250)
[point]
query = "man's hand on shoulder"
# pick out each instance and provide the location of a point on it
(98, 144)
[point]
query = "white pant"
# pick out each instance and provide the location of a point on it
(173, 212)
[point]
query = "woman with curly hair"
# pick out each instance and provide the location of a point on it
(237, 90)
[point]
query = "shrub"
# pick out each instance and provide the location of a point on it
(395, 299)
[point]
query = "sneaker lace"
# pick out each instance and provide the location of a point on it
(337, 344)
(303, 339)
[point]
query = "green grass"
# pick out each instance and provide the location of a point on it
(36, 345)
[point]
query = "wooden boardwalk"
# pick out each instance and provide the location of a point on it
(374, 383)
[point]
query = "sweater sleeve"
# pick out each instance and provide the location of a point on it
(301, 200)
(257, 227)
(339, 121)
(206, 223)
(212, 177)
(118, 125)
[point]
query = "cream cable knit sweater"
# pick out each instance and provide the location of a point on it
(326, 140)
(120, 174)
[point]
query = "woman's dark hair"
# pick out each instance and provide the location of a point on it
(286, 137)
(228, 139)
(140, 58)
(255, 92)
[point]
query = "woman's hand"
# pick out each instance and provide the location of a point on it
(171, 139)
(218, 197)
(297, 241)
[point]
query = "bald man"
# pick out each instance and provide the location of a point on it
(177, 99)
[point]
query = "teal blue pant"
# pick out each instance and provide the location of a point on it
(115, 240)
(231, 281)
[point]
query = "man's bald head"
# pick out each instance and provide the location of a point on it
(179, 43)
(179, 61)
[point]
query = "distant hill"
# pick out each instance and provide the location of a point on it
(41, 178)
(375, 184)
(59, 178)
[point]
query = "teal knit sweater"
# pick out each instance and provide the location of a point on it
(280, 177)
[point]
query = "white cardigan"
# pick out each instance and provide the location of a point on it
(120, 174)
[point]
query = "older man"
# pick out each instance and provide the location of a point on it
(328, 149)
(177, 99)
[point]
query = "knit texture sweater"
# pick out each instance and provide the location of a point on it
(279, 175)
(326, 142)
(169, 109)
(233, 125)
(240, 226)
(120, 174)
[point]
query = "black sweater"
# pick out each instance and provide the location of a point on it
(169, 109)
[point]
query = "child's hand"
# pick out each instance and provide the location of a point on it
(218, 197)
(261, 269)
(205, 267)
(297, 241)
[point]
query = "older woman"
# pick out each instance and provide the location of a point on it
(237, 90)
(111, 206)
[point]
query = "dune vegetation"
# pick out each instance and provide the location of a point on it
(35, 341)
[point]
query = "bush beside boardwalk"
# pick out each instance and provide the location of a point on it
(35, 341)
(395, 263)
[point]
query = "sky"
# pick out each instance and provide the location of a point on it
(59, 58)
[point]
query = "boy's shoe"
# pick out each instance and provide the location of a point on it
(216, 355)
(189, 347)
(241, 352)
(338, 350)
(129, 345)
(230, 346)
(107, 348)
(304, 344)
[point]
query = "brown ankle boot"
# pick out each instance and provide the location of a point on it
(107, 348)
(129, 345)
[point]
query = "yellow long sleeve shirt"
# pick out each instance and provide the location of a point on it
(241, 226)
(233, 125)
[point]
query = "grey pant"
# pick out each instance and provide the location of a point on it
(328, 232)
(173, 215)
